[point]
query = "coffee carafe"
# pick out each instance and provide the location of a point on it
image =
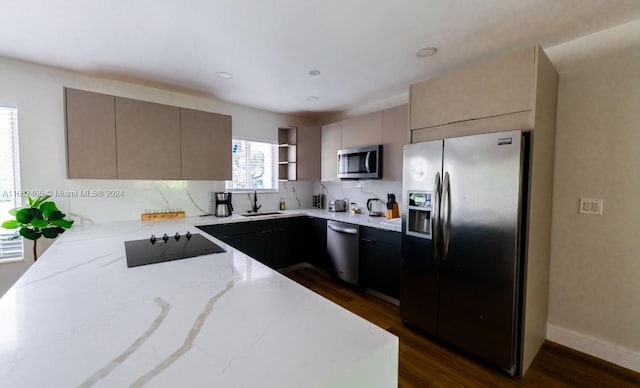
(224, 208)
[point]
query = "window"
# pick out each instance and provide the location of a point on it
(9, 181)
(254, 166)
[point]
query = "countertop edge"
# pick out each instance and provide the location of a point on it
(357, 219)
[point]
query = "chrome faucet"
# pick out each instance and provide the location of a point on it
(255, 202)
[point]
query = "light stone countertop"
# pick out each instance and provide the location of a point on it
(359, 219)
(80, 318)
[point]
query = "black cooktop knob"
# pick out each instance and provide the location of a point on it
(188, 235)
(153, 239)
(177, 236)
(165, 238)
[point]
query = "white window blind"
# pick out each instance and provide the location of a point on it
(254, 166)
(9, 181)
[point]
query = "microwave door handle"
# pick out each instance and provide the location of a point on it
(367, 160)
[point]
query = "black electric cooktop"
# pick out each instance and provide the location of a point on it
(167, 248)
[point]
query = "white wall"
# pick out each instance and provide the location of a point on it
(37, 92)
(594, 301)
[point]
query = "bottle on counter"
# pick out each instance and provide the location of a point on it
(282, 206)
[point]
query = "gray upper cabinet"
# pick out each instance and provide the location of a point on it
(331, 143)
(148, 140)
(205, 140)
(395, 134)
(362, 131)
(387, 127)
(90, 135)
(309, 153)
(497, 87)
(111, 137)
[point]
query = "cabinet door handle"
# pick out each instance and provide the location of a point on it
(265, 231)
(367, 240)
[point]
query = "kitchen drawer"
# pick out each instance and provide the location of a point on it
(223, 229)
(381, 235)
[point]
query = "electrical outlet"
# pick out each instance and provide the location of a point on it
(591, 206)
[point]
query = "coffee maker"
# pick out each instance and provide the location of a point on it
(224, 208)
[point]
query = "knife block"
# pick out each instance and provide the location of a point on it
(394, 212)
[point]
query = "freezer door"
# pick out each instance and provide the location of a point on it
(478, 273)
(419, 285)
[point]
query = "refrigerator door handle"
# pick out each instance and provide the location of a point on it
(445, 215)
(435, 218)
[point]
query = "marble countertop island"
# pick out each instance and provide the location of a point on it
(80, 318)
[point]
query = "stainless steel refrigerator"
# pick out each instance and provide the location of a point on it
(464, 204)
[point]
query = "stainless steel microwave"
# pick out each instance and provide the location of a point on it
(360, 163)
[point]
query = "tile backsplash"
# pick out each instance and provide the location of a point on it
(358, 191)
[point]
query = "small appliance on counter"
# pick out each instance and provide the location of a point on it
(224, 208)
(317, 201)
(338, 205)
(373, 206)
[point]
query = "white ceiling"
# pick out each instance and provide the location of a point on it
(365, 49)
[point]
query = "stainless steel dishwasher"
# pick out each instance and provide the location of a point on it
(342, 246)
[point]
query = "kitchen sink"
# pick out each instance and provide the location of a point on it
(259, 214)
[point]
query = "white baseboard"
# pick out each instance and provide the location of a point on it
(608, 351)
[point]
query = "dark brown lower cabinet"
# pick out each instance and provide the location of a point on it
(284, 242)
(380, 260)
(275, 243)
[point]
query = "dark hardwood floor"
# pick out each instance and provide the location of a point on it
(425, 362)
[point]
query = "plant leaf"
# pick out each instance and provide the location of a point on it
(11, 224)
(36, 213)
(56, 215)
(29, 234)
(62, 223)
(50, 232)
(30, 201)
(14, 211)
(24, 216)
(38, 223)
(40, 200)
(46, 208)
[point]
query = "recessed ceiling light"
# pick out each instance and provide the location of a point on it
(224, 75)
(313, 98)
(426, 52)
(314, 72)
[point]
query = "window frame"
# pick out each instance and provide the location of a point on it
(274, 165)
(13, 192)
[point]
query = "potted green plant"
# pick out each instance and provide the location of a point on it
(41, 218)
